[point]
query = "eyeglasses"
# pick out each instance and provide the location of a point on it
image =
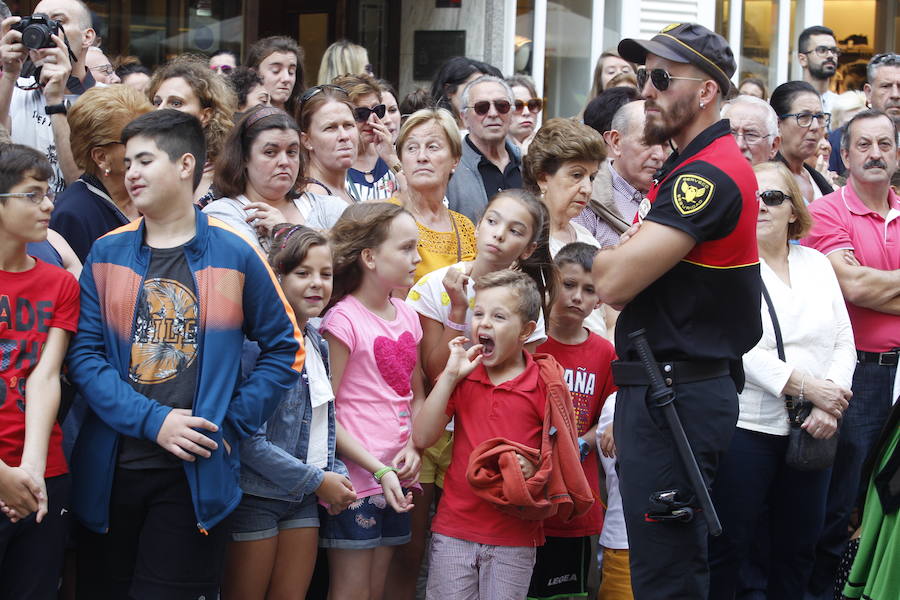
(320, 88)
(822, 51)
(106, 69)
(534, 105)
(223, 69)
(33, 197)
(750, 137)
(660, 78)
(484, 107)
(805, 119)
(362, 113)
(772, 197)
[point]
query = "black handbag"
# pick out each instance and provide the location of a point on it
(804, 452)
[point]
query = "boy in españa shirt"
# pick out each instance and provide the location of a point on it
(492, 390)
(564, 562)
(168, 301)
(38, 314)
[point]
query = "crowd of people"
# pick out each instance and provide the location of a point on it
(280, 340)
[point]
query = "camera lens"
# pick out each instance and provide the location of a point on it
(36, 36)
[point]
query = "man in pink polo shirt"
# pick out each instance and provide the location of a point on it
(858, 228)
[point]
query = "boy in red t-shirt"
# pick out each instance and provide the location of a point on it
(565, 561)
(493, 390)
(38, 314)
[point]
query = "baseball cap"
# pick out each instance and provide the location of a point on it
(689, 43)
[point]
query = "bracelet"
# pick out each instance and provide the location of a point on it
(455, 325)
(382, 472)
(802, 384)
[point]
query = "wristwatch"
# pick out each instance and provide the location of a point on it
(56, 109)
(584, 448)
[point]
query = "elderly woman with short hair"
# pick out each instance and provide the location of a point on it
(98, 202)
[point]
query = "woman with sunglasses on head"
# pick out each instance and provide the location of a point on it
(376, 173)
(223, 61)
(330, 140)
(801, 122)
(257, 172)
(279, 62)
(187, 84)
(815, 364)
(526, 110)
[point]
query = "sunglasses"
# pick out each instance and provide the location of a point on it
(362, 113)
(534, 105)
(772, 197)
(484, 107)
(660, 78)
(320, 88)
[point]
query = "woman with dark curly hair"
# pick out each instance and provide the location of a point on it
(187, 84)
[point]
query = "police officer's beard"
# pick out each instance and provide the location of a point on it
(669, 123)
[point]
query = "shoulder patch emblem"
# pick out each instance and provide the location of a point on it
(691, 193)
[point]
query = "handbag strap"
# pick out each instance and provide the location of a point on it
(779, 344)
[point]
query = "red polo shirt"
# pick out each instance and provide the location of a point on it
(842, 222)
(513, 410)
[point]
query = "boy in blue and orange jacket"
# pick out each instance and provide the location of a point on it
(168, 300)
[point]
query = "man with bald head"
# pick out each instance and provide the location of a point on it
(628, 176)
(754, 126)
(34, 110)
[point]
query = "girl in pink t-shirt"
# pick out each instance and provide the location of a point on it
(375, 373)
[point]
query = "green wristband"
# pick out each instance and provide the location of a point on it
(382, 472)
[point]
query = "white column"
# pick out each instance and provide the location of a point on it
(736, 34)
(706, 13)
(809, 13)
(597, 43)
(539, 45)
(509, 37)
(782, 42)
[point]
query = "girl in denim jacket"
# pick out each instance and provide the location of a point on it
(290, 462)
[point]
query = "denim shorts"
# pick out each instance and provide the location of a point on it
(367, 523)
(258, 518)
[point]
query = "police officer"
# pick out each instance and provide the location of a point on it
(688, 273)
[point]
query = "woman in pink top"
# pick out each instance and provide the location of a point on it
(374, 342)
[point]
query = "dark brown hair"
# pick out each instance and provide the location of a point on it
(559, 141)
(358, 86)
(231, 166)
(364, 225)
(279, 43)
(290, 244)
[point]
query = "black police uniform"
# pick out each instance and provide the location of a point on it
(701, 317)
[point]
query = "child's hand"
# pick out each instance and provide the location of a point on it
(462, 361)
(393, 493)
(336, 491)
(456, 282)
(607, 442)
(528, 468)
(20, 493)
(179, 435)
(407, 462)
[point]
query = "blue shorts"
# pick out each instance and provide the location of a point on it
(258, 518)
(366, 523)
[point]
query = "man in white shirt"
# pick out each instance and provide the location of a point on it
(818, 54)
(32, 116)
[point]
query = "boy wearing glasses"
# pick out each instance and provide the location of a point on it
(38, 314)
(688, 274)
(818, 54)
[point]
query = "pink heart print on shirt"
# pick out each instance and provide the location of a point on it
(396, 360)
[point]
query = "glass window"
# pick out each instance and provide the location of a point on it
(853, 23)
(758, 43)
(567, 62)
(523, 52)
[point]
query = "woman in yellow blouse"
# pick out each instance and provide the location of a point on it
(429, 147)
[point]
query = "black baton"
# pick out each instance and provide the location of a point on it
(663, 396)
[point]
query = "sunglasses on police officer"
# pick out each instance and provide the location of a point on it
(660, 78)
(362, 113)
(772, 197)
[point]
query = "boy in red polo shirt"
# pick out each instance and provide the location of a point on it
(564, 563)
(493, 390)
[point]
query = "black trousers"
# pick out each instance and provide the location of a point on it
(31, 553)
(153, 549)
(669, 559)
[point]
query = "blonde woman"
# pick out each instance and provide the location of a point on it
(343, 58)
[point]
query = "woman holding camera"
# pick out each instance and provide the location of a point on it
(820, 357)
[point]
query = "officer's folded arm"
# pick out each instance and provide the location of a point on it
(622, 272)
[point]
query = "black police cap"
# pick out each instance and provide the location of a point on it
(686, 43)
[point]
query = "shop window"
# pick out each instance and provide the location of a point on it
(567, 61)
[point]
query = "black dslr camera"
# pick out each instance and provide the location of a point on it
(36, 31)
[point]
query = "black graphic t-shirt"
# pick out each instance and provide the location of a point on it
(163, 349)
